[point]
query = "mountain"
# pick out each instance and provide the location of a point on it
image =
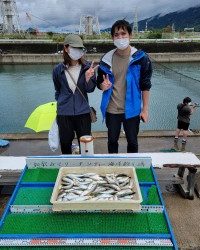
(189, 18)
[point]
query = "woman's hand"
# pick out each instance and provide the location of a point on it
(90, 72)
(106, 84)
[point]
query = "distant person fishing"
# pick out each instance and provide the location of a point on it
(185, 110)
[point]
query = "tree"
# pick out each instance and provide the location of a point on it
(50, 33)
(167, 29)
(156, 34)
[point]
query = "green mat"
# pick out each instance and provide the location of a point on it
(33, 196)
(144, 175)
(94, 223)
(40, 175)
(50, 175)
(169, 150)
(84, 223)
(153, 198)
(42, 195)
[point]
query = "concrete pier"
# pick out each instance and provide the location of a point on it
(56, 58)
(184, 214)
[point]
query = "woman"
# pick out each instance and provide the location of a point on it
(73, 111)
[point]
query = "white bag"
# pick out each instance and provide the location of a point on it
(53, 137)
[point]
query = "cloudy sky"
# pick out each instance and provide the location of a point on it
(63, 15)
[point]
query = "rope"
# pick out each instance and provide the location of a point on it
(174, 71)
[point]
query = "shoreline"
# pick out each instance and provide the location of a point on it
(10, 59)
(96, 134)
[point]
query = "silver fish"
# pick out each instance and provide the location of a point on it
(109, 191)
(61, 195)
(70, 197)
(78, 192)
(81, 187)
(90, 189)
(131, 184)
(92, 186)
(114, 186)
(124, 192)
(111, 178)
(99, 190)
(82, 198)
(122, 179)
(104, 196)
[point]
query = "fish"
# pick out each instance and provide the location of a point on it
(90, 189)
(67, 182)
(124, 192)
(113, 186)
(95, 187)
(111, 179)
(122, 179)
(82, 198)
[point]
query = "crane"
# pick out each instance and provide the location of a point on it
(28, 16)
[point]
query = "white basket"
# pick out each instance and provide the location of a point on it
(107, 205)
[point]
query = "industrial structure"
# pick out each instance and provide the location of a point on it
(10, 18)
(89, 25)
(135, 23)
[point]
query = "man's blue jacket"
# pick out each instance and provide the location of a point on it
(69, 103)
(138, 78)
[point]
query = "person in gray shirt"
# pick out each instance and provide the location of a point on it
(185, 110)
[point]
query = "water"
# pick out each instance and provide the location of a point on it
(24, 87)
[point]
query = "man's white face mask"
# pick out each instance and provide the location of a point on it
(75, 53)
(121, 43)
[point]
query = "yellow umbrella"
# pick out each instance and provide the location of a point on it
(41, 119)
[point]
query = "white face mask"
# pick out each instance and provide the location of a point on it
(121, 43)
(75, 53)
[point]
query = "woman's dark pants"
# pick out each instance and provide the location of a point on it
(68, 126)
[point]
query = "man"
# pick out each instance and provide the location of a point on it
(185, 109)
(124, 76)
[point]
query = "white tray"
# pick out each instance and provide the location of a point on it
(132, 204)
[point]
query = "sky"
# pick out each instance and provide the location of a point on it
(64, 15)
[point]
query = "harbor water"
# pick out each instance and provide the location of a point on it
(24, 87)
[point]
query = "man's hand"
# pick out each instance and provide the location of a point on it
(144, 116)
(106, 84)
(90, 72)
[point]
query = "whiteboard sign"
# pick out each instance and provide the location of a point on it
(57, 162)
